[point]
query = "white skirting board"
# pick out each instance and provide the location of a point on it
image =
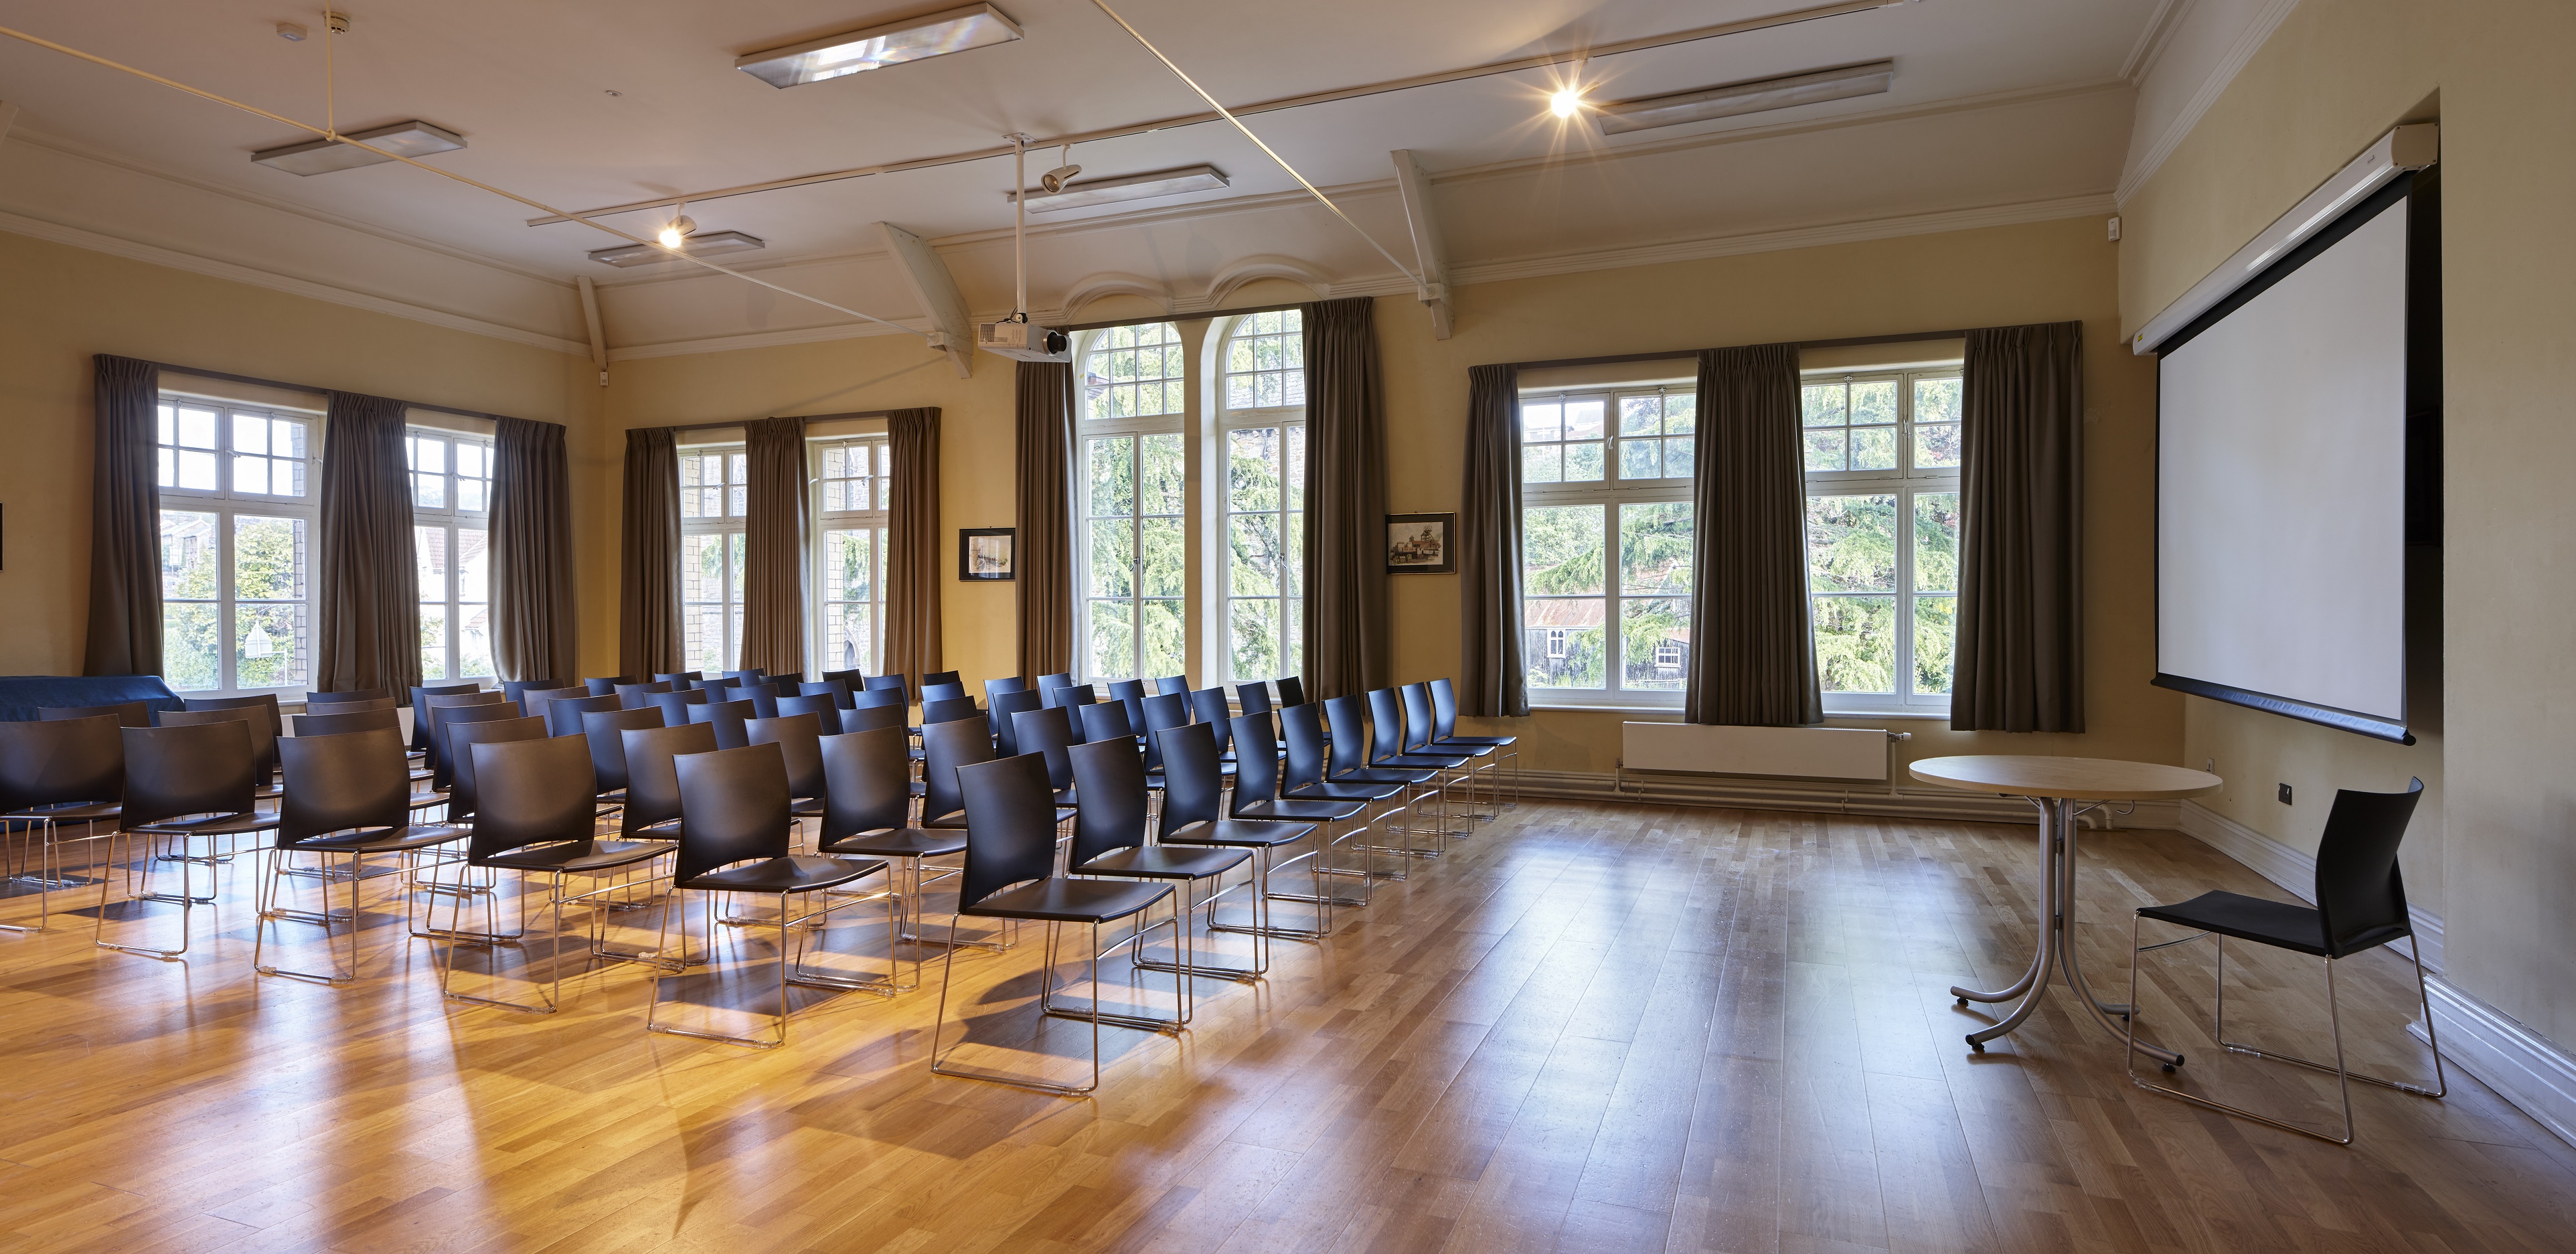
(1918, 801)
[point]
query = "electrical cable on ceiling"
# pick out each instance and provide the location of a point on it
(327, 133)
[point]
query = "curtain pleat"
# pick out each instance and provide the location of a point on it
(648, 619)
(125, 523)
(2020, 656)
(1752, 648)
(1346, 647)
(773, 576)
(533, 633)
(1491, 679)
(1042, 550)
(912, 544)
(366, 593)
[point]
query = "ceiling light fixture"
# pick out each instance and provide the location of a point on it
(678, 230)
(321, 156)
(692, 246)
(1054, 180)
(912, 39)
(1730, 99)
(1193, 178)
(1567, 101)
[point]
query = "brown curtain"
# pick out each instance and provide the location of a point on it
(1752, 648)
(1345, 630)
(2020, 655)
(912, 544)
(533, 633)
(773, 576)
(1491, 679)
(366, 593)
(648, 610)
(124, 522)
(1042, 551)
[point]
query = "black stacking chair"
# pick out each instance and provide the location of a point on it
(1347, 763)
(1445, 737)
(337, 723)
(533, 701)
(825, 709)
(1049, 734)
(1109, 840)
(608, 686)
(465, 791)
(727, 717)
(1006, 733)
(184, 783)
(346, 796)
(1172, 686)
(1292, 691)
(1194, 814)
(675, 705)
(605, 730)
(312, 699)
(638, 696)
(850, 681)
(1130, 693)
(1252, 698)
(564, 715)
(652, 809)
(126, 713)
(1163, 712)
(994, 688)
(265, 702)
(945, 747)
(1256, 796)
(1107, 722)
(442, 757)
(940, 677)
(1075, 694)
(889, 683)
(1009, 875)
(2361, 905)
(832, 689)
(55, 772)
(942, 692)
(515, 689)
(763, 697)
(420, 708)
(1418, 741)
(799, 739)
(681, 681)
(263, 739)
(1209, 704)
(735, 838)
(873, 717)
(949, 710)
(1387, 752)
(866, 813)
(754, 675)
(1302, 770)
(535, 818)
(874, 698)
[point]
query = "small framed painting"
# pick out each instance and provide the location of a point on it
(984, 554)
(1421, 544)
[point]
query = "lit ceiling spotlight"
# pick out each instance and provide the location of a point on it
(677, 231)
(1566, 103)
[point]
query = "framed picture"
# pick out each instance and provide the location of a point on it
(984, 554)
(1420, 544)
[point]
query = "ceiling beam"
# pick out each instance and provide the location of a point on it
(1428, 255)
(935, 291)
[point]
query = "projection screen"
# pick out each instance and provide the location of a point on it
(2281, 485)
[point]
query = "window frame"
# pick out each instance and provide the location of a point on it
(1088, 426)
(875, 520)
(1289, 420)
(1906, 482)
(733, 495)
(228, 507)
(453, 519)
(1614, 494)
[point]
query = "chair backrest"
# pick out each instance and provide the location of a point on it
(607, 687)
(1348, 718)
(420, 696)
(1108, 722)
(1444, 709)
(1417, 716)
(870, 718)
(312, 699)
(866, 782)
(1006, 733)
(942, 692)
(1076, 694)
(1386, 724)
(1256, 761)
(336, 724)
(949, 710)
(1193, 779)
(464, 790)
(941, 677)
(1129, 693)
(1209, 705)
(1049, 734)
(850, 681)
(944, 748)
(763, 697)
(442, 754)
(675, 705)
(2360, 894)
(263, 738)
(1110, 779)
(126, 713)
(1302, 727)
(1172, 685)
(1252, 698)
(531, 792)
(838, 691)
(652, 783)
(733, 806)
(799, 738)
(994, 688)
(1163, 711)
(564, 714)
(727, 718)
(872, 698)
(825, 707)
(1292, 691)
(1049, 683)
(681, 681)
(355, 780)
(264, 701)
(637, 696)
(515, 689)
(888, 683)
(59, 761)
(1010, 826)
(605, 729)
(206, 768)
(533, 702)
(752, 676)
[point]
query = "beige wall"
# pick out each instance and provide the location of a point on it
(2333, 77)
(59, 305)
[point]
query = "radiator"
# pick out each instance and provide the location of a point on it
(1780, 752)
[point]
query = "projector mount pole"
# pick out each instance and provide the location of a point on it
(1020, 226)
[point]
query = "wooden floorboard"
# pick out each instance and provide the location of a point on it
(1588, 1027)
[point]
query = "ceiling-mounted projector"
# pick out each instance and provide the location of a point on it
(1021, 340)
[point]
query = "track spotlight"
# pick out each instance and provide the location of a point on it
(1054, 180)
(677, 231)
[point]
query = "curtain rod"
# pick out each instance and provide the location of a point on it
(719, 426)
(256, 381)
(1849, 341)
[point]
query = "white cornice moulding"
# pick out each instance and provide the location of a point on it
(2153, 38)
(2292, 871)
(154, 254)
(2248, 42)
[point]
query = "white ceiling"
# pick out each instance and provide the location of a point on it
(1995, 103)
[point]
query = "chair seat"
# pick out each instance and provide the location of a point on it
(806, 807)
(1069, 901)
(1255, 834)
(241, 824)
(386, 839)
(794, 873)
(1448, 748)
(2283, 924)
(1166, 862)
(570, 857)
(1381, 775)
(901, 842)
(424, 800)
(1345, 790)
(92, 812)
(1419, 762)
(1294, 811)
(1464, 741)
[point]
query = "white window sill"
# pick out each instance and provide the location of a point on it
(1604, 707)
(1917, 713)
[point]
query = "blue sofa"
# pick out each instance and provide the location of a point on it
(22, 695)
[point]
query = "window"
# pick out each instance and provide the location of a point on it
(850, 518)
(451, 506)
(1882, 456)
(236, 532)
(1606, 534)
(1264, 433)
(712, 502)
(1133, 488)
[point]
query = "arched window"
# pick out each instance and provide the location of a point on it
(1263, 421)
(1131, 553)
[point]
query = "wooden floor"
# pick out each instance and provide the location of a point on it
(1588, 1028)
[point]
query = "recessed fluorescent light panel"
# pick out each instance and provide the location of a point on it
(1195, 178)
(322, 156)
(700, 245)
(1758, 96)
(912, 39)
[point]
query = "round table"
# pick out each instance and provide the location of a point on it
(2058, 786)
